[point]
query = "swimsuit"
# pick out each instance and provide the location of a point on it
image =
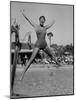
(41, 33)
(41, 44)
(17, 42)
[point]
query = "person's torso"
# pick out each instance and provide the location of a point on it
(41, 32)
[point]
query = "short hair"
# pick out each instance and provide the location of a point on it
(17, 26)
(42, 17)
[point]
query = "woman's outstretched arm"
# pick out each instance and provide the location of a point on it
(29, 20)
(49, 25)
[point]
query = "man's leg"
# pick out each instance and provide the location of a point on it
(14, 69)
(30, 61)
(51, 54)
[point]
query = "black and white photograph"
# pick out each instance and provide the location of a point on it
(41, 49)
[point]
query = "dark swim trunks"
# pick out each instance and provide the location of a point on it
(41, 44)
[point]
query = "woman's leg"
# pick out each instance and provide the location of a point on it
(30, 61)
(51, 54)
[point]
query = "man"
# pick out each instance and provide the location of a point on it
(15, 28)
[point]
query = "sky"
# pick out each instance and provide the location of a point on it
(62, 29)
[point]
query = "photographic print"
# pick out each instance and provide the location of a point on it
(41, 49)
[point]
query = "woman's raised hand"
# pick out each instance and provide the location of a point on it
(22, 10)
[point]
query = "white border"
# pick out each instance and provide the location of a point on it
(5, 44)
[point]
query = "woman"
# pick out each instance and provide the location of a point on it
(41, 42)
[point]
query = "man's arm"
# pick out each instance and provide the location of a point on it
(49, 25)
(29, 20)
